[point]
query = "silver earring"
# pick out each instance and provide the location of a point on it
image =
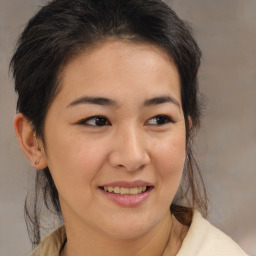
(36, 162)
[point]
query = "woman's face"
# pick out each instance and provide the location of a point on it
(115, 139)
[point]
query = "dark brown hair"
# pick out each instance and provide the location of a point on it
(64, 28)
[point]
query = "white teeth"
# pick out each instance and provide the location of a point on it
(133, 191)
(116, 190)
(109, 189)
(125, 191)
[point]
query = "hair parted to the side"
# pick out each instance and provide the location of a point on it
(63, 29)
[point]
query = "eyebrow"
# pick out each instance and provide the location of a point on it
(112, 103)
(161, 100)
(94, 100)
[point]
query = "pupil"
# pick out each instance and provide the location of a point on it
(161, 120)
(100, 121)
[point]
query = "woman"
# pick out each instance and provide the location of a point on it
(107, 108)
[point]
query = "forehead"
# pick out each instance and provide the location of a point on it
(120, 66)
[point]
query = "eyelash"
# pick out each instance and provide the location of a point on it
(164, 118)
(100, 118)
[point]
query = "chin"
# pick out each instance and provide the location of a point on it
(130, 228)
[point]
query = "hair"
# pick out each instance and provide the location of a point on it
(62, 30)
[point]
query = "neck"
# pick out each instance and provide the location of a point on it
(165, 239)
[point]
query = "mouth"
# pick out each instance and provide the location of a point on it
(124, 191)
(127, 194)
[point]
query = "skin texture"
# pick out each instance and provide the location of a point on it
(130, 146)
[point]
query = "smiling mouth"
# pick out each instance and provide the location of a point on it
(126, 191)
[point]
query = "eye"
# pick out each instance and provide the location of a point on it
(159, 120)
(95, 121)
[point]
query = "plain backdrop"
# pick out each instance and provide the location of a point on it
(226, 33)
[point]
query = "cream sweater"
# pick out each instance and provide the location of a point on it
(202, 239)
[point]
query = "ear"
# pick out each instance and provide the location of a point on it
(29, 143)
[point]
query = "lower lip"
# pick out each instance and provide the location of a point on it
(128, 200)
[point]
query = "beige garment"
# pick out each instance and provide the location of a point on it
(202, 239)
(51, 244)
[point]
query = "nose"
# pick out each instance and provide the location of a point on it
(129, 151)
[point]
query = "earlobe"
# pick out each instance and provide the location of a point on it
(29, 142)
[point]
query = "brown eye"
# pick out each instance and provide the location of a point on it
(95, 121)
(159, 120)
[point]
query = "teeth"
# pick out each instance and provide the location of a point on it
(133, 191)
(125, 191)
(109, 189)
(116, 190)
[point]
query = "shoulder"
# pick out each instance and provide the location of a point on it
(51, 244)
(203, 239)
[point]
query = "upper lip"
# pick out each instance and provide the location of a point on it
(128, 184)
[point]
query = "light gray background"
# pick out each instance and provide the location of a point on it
(226, 32)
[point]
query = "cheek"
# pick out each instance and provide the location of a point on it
(73, 161)
(169, 161)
